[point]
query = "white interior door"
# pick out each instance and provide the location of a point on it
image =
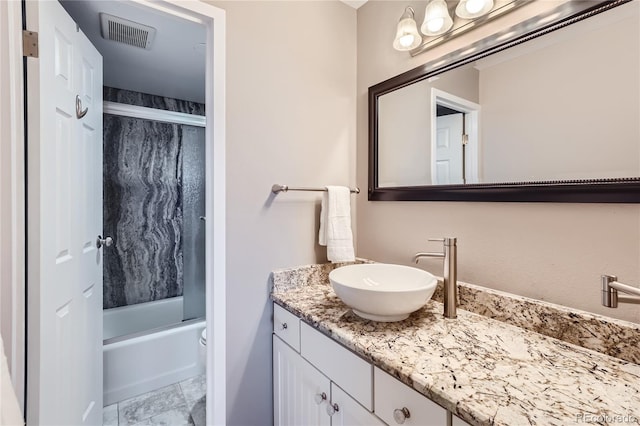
(448, 161)
(64, 365)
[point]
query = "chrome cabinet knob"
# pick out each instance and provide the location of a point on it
(332, 409)
(320, 398)
(284, 326)
(106, 242)
(401, 415)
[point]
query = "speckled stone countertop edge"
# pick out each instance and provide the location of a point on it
(407, 373)
(551, 305)
(610, 336)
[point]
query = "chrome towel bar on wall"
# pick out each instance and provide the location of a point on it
(276, 188)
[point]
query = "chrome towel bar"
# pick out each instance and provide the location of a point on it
(276, 188)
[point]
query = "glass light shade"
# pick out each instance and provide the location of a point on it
(470, 9)
(407, 36)
(436, 18)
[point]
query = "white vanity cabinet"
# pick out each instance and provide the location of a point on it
(303, 390)
(317, 381)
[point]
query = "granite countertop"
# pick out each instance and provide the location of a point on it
(486, 371)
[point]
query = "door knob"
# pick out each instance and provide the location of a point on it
(80, 113)
(107, 241)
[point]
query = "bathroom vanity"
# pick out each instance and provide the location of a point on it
(332, 367)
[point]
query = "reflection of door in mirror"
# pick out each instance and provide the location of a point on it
(405, 150)
(455, 140)
(449, 150)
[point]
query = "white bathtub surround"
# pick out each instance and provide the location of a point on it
(142, 362)
(483, 370)
(140, 317)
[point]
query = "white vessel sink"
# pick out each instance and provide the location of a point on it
(383, 292)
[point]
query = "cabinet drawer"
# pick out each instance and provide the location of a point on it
(286, 326)
(346, 369)
(349, 412)
(391, 394)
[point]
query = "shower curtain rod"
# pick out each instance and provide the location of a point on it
(135, 111)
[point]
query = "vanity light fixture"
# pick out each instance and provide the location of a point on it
(407, 36)
(471, 9)
(446, 19)
(436, 18)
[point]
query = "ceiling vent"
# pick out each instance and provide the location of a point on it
(127, 32)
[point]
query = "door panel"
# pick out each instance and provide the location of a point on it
(448, 161)
(64, 366)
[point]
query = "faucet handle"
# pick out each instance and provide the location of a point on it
(447, 241)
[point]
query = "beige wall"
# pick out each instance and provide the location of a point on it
(553, 252)
(291, 86)
(553, 122)
(404, 148)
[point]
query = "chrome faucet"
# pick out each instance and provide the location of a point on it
(450, 257)
(610, 289)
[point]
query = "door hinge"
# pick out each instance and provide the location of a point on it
(465, 139)
(29, 44)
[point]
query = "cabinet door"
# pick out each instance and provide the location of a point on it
(347, 411)
(297, 388)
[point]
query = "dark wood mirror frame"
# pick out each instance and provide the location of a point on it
(616, 190)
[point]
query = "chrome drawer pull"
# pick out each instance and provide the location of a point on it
(401, 415)
(320, 398)
(332, 409)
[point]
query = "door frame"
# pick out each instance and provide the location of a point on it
(12, 196)
(214, 19)
(471, 112)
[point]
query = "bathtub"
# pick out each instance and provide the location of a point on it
(146, 347)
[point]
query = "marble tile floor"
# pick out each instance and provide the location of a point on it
(178, 404)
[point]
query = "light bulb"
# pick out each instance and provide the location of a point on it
(434, 25)
(474, 6)
(406, 40)
(471, 9)
(436, 18)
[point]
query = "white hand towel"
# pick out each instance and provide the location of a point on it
(335, 224)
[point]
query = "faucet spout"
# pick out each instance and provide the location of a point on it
(450, 257)
(418, 256)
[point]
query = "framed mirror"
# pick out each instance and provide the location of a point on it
(545, 112)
